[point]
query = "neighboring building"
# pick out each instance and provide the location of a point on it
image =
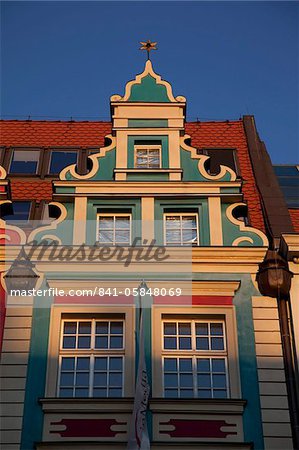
(214, 356)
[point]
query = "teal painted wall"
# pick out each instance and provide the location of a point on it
(232, 231)
(190, 169)
(148, 91)
(106, 168)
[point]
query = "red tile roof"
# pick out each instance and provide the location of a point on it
(294, 213)
(91, 134)
(51, 134)
(31, 189)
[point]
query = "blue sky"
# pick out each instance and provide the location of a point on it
(62, 59)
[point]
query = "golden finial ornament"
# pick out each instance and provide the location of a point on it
(148, 46)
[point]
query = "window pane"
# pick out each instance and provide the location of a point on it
(203, 365)
(114, 392)
(83, 342)
(24, 161)
(100, 379)
(217, 343)
(218, 365)
(79, 392)
(100, 364)
(170, 328)
(115, 379)
(185, 365)
(116, 342)
(122, 236)
(82, 379)
(116, 328)
(69, 342)
(202, 343)
(186, 393)
(106, 222)
(68, 364)
(84, 328)
(106, 236)
(219, 381)
(70, 328)
(83, 363)
(140, 152)
(189, 236)
(115, 363)
(170, 364)
(185, 328)
(184, 343)
(122, 222)
(60, 159)
(173, 222)
(170, 343)
(65, 392)
(204, 393)
(201, 329)
(219, 393)
(100, 392)
(171, 393)
(101, 342)
(67, 379)
(186, 380)
(216, 329)
(173, 236)
(170, 380)
(204, 381)
(188, 222)
(21, 212)
(101, 327)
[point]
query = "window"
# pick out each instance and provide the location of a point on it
(24, 161)
(194, 359)
(91, 358)
(60, 159)
(181, 229)
(21, 212)
(114, 229)
(147, 156)
(220, 156)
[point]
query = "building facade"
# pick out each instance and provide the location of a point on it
(86, 193)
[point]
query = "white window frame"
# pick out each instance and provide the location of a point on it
(98, 313)
(198, 313)
(195, 354)
(181, 243)
(91, 352)
(114, 215)
(147, 147)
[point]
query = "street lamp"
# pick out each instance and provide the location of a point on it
(21, 275)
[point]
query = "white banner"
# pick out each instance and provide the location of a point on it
(138, 435)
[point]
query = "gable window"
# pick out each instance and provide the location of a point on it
(114, 229)
(194, 359)
(61, 159)
(147, 156)
(24, 161)
(91, 358)
(181, 229)
(21, 212)
(221, 156)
